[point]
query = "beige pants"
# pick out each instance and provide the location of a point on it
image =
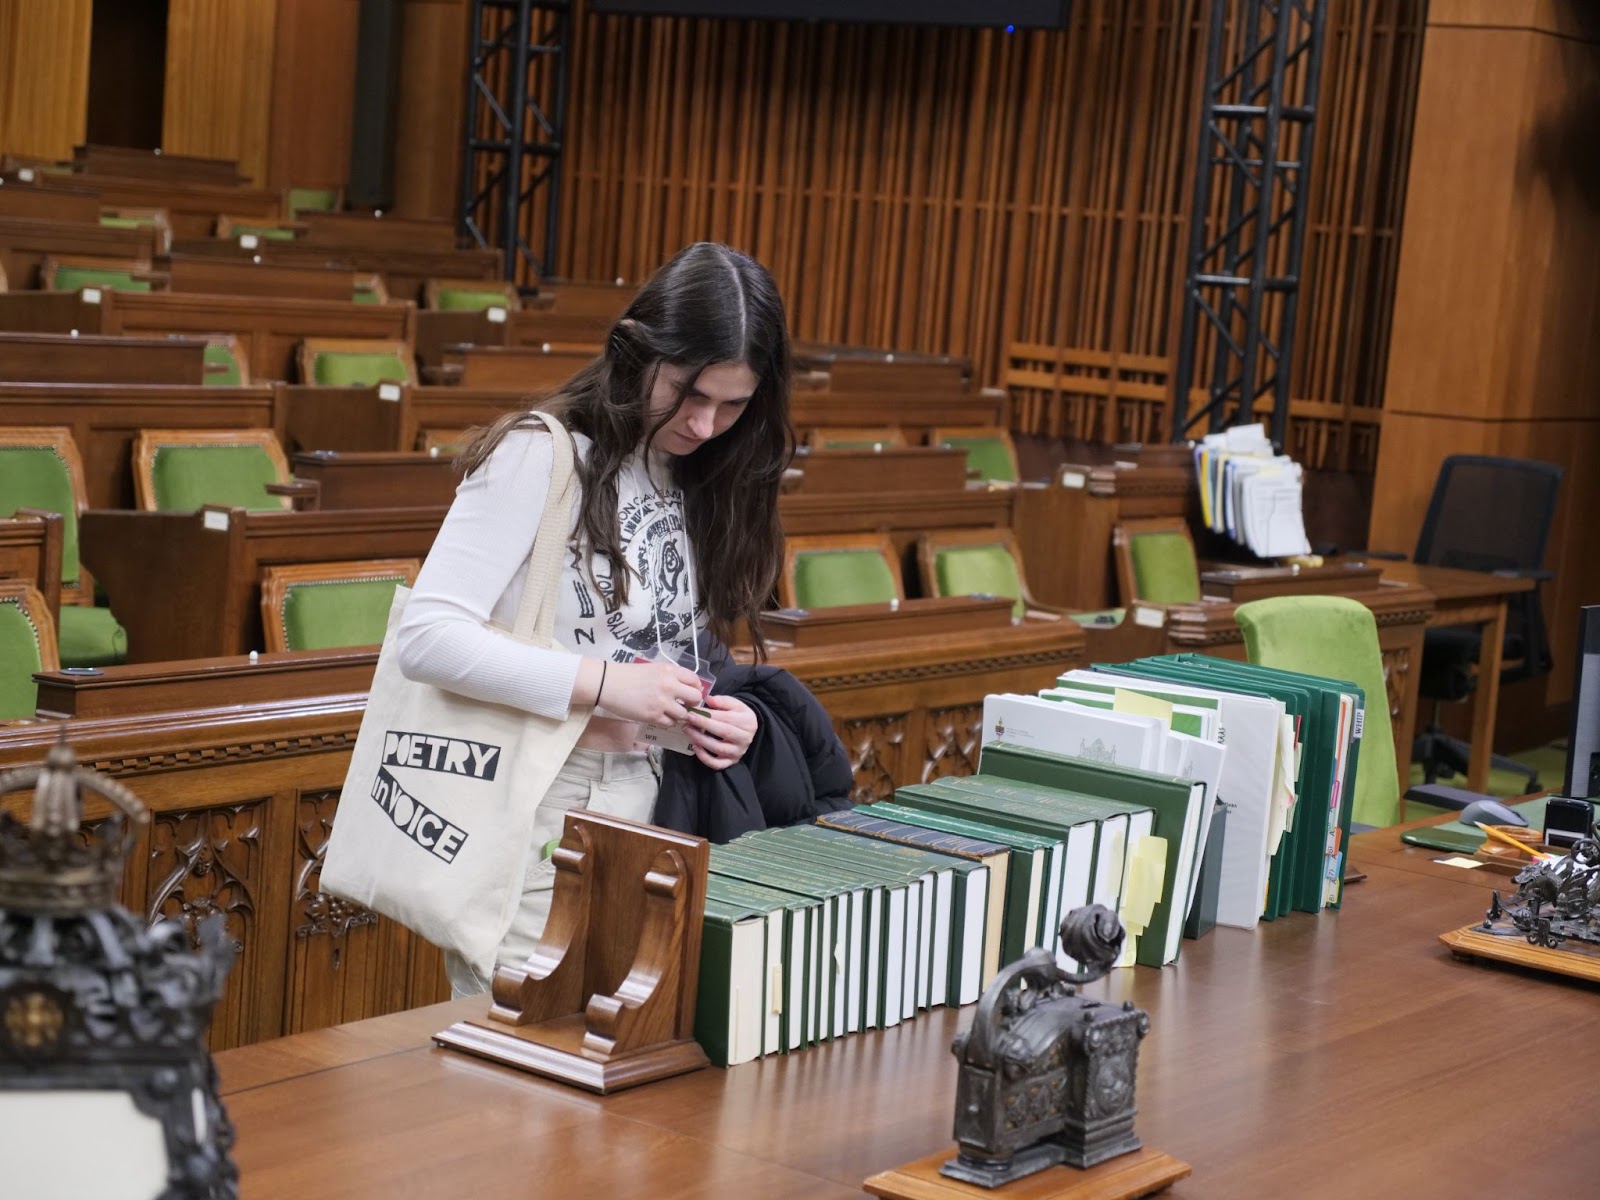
(623, 785)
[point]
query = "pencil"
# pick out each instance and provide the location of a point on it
(1511, 841)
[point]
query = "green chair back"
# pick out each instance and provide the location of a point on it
(186, 477)
(312, 199)
(357, 369)
(37, 477)
(829, 578)
(318, 615)
(90, 637)
(979, 571)
(111, 222)
(218, 355)
(1335, 637)
(459, 299)
(365, 293)
(1164, 568)
(19, 659)
(987, 456)
(72, 279)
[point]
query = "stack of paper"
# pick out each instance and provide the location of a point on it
(1250, 493)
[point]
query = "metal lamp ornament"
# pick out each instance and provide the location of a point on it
(102, 1017)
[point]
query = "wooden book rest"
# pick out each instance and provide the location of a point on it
(1144, 1172)
(607, 999)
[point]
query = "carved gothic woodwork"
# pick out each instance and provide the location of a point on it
(952, 737)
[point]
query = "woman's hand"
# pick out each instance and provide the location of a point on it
(721, 739)
(651, 693)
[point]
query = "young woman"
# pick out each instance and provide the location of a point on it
(681, 430)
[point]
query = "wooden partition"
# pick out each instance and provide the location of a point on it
(891, 469)
(376, 479)
(30, 550)
(229, 277)
(193, 208)
(914, 413)
(541, 368)
(241, 765)
(187, 585)
(404, 269)
(104, 419)
(62, 358)
(392, 418)
(269, 329)
(25, 242)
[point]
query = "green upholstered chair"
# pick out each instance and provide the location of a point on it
(183, 469)
(472, 295)
(312, 199)
(72, 275)
(317, 606)
(978, 562)
(1335, 637)
(990, 450)
(27, 645)
(1156, 561)
(846, 438)
(232, 229)
(40, 468)
(352, 362)
(224, 365)
(157, 219)
(829, 571)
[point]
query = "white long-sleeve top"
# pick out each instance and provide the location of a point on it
(472, 580)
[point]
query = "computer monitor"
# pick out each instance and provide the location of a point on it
(1583, 744)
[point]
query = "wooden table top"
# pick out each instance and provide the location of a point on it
(1340, 1055)
(1449, 584)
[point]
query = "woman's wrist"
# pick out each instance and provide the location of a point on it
(587, 685)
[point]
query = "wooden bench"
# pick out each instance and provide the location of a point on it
(269, 328)
(187, 585)
(104, 419)
(62, 358)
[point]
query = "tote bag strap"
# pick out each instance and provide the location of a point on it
(536, 613)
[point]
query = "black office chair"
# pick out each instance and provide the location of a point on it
(1487, 514)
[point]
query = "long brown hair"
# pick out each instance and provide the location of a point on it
(708, 305)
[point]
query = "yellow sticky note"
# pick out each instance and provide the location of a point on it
(1141, 704)
(1142, 882)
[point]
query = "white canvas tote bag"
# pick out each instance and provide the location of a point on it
(436, 817)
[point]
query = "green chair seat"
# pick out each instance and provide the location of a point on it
(218, 355)
(459, 299)
(979, 571)
(988, 457)
(111, 222)
(1337, 638)
(365, 294)
(72, 279)
(1164, 569)
(19, 660)
(345, 612)
(187, 477)
(356, 369)
(37, 477)
(90, 637)
(829, 578)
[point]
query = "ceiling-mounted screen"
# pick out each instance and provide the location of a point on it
(1020, 14)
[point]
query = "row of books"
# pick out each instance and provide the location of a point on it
(1099, 790)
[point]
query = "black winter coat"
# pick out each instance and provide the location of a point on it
(795, 768)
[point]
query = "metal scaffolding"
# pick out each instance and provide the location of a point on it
(1247, 227)
(516, 116)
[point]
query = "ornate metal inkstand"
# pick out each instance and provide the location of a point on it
(1047, 1085)
(102, 1017)
(1555, 902)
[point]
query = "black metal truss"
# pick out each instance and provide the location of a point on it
(1254, 166)
(516, 115)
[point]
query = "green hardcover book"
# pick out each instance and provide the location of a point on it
(961, 901)
(805, 923)
(1178, 805)
(828, 944)
(788, 944)
(858, 917)
(727, 1014)
(896, 942)
(994, 857)
(1025, 877)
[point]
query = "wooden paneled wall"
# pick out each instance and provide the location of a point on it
(44, 76)
(1496, 348)
(432, 96)
(313, 93)
(957, 190)
(219, 81)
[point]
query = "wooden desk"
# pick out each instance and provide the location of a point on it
(1316, 1057)
(192, 207)
(1469, 598)
(404, 269)
(26, 241)
(329, 418)
(62, 358)
(187, 585)
(891, 469)
(104, 418)
(356, 479)
(246, 277)
(914, 413)
(536, 369)
(804, 629)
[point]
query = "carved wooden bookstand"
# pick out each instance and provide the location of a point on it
(607, 999)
